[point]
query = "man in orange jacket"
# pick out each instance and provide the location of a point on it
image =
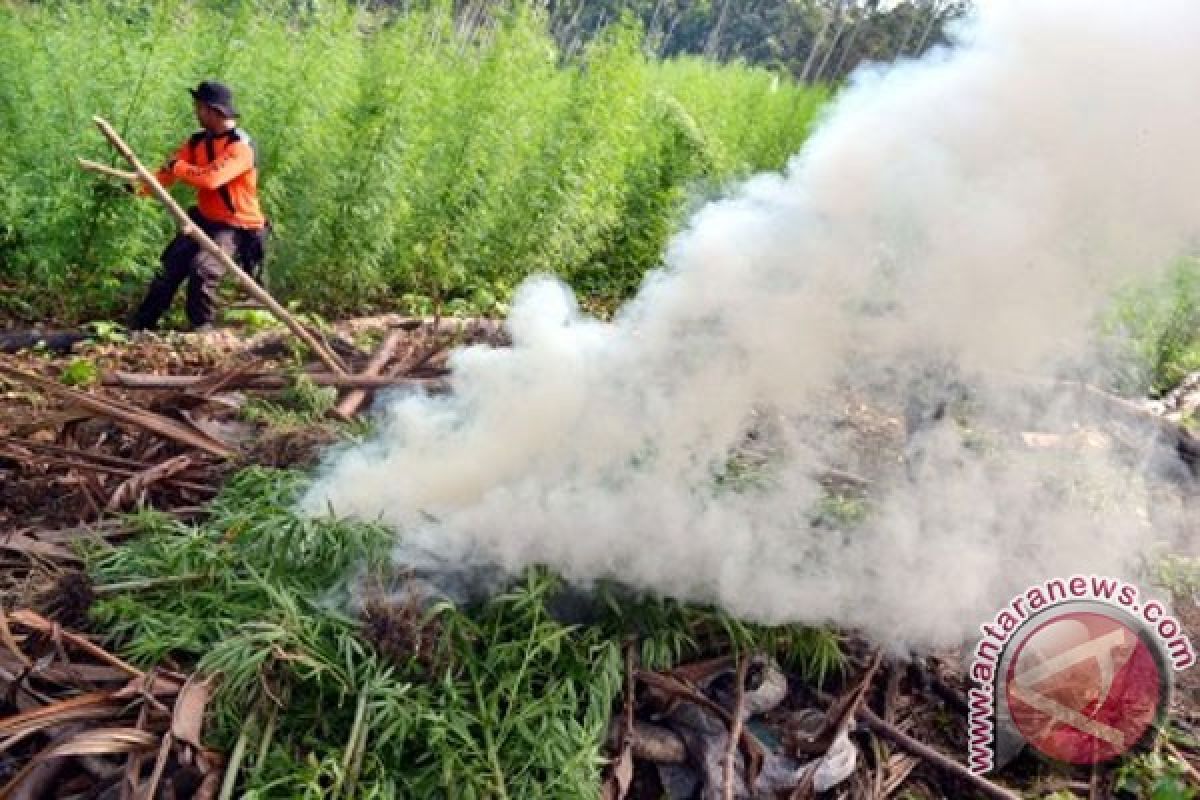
(220, 162)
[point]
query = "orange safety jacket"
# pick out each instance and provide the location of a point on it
(223, 168)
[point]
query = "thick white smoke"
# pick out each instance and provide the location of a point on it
(978, 207)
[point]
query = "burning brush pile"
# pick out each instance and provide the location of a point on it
(247, 648)
(256, 661)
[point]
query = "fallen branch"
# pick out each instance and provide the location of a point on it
(191, 230)
(268, 380)
(735, 730)
(619, 775)
(168, 477)
(42, 625)
(218, 382)
(353, 400)
(122, 412)
(1186, 443)
(837, 718)
(1183, 760)
(71, 452)
(932, 756)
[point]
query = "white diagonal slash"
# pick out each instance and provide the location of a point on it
(1101, 650)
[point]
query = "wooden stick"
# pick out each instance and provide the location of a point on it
(112, 172)
(353, 400)
(735, 730)
(267, 380)
(35, 621)
(937, 759)
(190, 229)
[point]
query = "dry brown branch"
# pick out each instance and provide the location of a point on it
(735, 730)
(268, 381)
(353, 400)
(38, 623)
(933, 757)
(1183, 760)
(837, 721)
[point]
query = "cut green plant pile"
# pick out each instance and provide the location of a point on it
(315, 699)
(401, 163)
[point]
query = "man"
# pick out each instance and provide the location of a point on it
(220, 162)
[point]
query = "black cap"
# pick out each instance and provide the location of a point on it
(217, 95)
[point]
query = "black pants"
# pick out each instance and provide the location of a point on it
(185, 260)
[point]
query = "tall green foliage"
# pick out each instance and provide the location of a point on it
(404, 163)
(1156, 328)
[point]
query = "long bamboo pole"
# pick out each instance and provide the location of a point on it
(190, 229)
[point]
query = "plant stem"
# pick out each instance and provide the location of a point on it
(148, 583)
(235, 762)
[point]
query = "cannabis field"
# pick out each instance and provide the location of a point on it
(398, 160)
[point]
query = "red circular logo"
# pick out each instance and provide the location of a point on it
(1084, 687)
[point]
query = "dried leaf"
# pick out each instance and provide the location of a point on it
(103, 742)
(188, 719)
(620, 776)
(20, 543)
(90, 706)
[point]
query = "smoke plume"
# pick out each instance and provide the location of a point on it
(962, 216)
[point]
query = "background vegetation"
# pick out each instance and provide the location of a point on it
(407, 160)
